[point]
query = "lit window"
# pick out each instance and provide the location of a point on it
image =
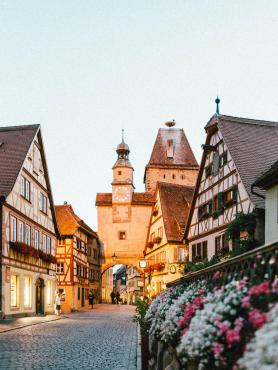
(122, 235)
(36, 239)
(14, 291)
(48, 292)
(27, 292)
(43, 203)
(60, 268)
(13, 229)
(28, 234)
(25, 188)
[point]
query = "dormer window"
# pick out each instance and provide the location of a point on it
(170, 148)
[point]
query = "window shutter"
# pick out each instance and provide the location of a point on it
(220, 200)
(210, 207)
(234, 195)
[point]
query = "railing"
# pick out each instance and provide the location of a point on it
(260, 263)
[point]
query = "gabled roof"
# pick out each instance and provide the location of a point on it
(251, 143)
(69, 222)
(105, 199)
(15, 142)
(175, 205)
(268, 178)
(183, 155)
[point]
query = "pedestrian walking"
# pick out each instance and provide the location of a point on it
(91, 299)
(112, 295)
(118, 297)
(58, 304)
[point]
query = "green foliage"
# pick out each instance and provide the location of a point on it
(141, 310)
(242, 222)
(192, 267)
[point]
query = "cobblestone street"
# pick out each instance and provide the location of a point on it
(103, 339)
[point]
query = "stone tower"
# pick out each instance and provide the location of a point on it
(172, 159)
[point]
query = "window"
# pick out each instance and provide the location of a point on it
(164, 176)
(208, 170)
(215, 164)
(223, 159)
(78, 294)
(152, 237)
(181, 254)
(44, 243)
(89, 251)
(217, 244)
(48, 292)
(36, 239)
(21, 232)
(43, 203)
(78, 270)
(13, 229)
(199, 251)
(28, 235)
(182, 177)
(25, 188)
(205, 210)
(160, 232)
(95, 253)
(60, 268)
(119, 173)
(173, 176)
(48, 245)
(122, 235)
(27, 291)
(230, 197)
(14, 291)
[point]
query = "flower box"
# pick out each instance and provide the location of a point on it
(157, 240)
(159, 266)
(155, 212)
(149, 269)
(150, 244)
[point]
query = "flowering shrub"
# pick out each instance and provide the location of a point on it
(158, 308)
(217, 335)
(262, 352)
(176, 316)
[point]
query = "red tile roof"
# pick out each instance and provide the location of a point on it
(69, 222)
(175, 205)
(183, 154)
(269, 178)
(15, 142)
(105, 199)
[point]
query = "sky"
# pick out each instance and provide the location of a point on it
(86, 69)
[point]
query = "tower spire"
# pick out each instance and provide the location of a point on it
(123, 135)
(217, 101)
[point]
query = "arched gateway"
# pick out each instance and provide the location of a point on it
(123, 216)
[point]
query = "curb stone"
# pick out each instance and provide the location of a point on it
(32, 324)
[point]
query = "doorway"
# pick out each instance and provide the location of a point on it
(40, 296)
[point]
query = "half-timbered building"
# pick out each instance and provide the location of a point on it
(235, 152)
(28, 226)
(165, 249)
(78, 260)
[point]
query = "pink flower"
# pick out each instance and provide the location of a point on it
(263, 288)
(223, 326)
(216, 275)
(239, 322)
(232, 335)
(257, 318)
(242, 283)
(217, 349)
(246, 302)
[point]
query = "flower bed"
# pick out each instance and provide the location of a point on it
(210, 326)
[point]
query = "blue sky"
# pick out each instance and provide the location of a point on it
(87, 69)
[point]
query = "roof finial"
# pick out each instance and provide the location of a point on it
(217, 101)
(123, 135)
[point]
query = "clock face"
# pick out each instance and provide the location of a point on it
(121, 194)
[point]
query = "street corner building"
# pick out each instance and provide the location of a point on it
(78, 260)
(28, 224)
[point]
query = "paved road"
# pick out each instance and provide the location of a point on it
(102, 339)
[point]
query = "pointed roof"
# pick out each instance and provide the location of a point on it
(252, 143)
(69, 222)
(140, 199)
(182, 153)
(175, 203)
(15, 142)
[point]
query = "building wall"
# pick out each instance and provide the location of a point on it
(28, 213)
(209, 228)
(107, 285)
(271, 215)
(135, 285)
(170, 175)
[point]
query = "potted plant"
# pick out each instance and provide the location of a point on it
(150, 244)
(157, 240)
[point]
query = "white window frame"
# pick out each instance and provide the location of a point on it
(13, 236)
(36, 239)
(21, 232)
(25, 188)
(43, 203)
(48, 245)
(60, 268)
(44, 246)
(28, 234)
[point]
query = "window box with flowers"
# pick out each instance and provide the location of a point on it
(149, 269)
(25, 249)
(157, 240)
(150, 244)
(159, 266)
(155, 212)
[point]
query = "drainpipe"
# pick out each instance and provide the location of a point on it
(2, 201)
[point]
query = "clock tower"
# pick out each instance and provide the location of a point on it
(122, 185)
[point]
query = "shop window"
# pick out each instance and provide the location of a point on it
(27, 292)
(48, 292)
(14, 291)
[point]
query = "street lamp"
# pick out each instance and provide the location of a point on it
(114, 257)
(143, 264)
